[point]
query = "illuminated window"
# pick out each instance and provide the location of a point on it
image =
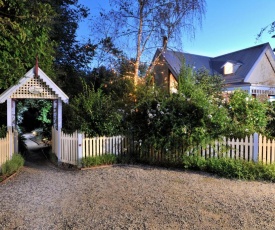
(230, 67)
(271, 98)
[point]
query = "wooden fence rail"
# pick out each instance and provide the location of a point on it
(76, 146)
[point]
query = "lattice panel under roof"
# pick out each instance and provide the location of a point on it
(24, 90)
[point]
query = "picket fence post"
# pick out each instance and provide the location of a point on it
(59, 133)
(256, 147)
(79, 148)
(15, 141)
(11, 145)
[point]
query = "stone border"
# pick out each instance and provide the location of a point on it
(11, 176)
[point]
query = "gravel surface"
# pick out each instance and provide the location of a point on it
(42, 196)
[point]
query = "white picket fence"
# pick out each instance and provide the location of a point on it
(246, 148)
(255, 148)
(97, 146)
(74, 147)
(6, 147)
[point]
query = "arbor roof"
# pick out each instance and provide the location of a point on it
(35, 85)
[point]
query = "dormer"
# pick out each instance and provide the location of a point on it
(230, 67)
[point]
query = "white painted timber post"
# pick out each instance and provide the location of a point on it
(79, 148)
(13, 114)
(59, 127)
(256, 147)
(9, 126)
(9, 113)
(11, 146)
(15, 140)
(59, 145)
(55, 114)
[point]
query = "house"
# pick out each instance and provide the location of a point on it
(251, 69)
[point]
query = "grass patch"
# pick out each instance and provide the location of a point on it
(12, 166)
(231, 168)
(106, 159)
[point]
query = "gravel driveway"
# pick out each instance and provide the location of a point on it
(42, 196)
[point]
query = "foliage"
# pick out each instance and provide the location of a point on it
(231, 168)
(106, 159)
(72, 57)
(3, 131)
(248, 114)
(196, 115)
(269, 28)
(47, 29)
(191, 117)
(100, 77)
(211, 85)
(117, 85)
(145, 23)
(25, 28)
(40, 112)
(11, 166)
(270, 127)
(94, 113)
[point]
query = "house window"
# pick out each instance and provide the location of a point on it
(230, 67)
(173, 84)
(271, 98)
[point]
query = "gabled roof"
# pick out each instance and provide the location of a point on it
(246, 57)
(41, 78)
(175, 60)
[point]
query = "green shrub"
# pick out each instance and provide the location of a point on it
(268, 172)
(231, 168)
(106, 159)
(3, 131)
(194, 162)
(12, 165)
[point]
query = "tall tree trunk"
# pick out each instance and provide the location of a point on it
(138, 55)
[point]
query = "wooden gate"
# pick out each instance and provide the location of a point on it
(73, 147)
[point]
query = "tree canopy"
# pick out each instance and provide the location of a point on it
(140, 26)
(25, 28)
(46, 29)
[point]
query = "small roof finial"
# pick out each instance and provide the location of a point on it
(36, 67)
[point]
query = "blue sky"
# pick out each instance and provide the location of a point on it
(228, 25)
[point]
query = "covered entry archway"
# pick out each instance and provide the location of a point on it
(34, 85)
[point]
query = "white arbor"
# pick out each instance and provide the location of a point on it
(34, 85)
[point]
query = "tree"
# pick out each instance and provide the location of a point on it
(25, 28)
(142, 24)
(72, 58)
(269, 28)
